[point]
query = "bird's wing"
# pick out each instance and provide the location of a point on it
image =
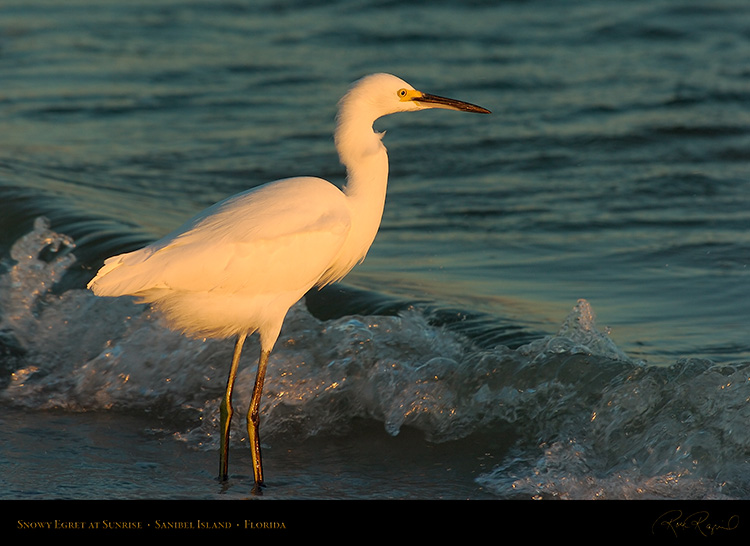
(280, 237)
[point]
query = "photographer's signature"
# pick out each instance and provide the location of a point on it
(675, 521)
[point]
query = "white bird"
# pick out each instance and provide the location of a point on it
(237, 267)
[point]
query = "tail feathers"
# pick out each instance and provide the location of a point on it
(119, 277)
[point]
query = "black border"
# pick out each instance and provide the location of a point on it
(668, 522)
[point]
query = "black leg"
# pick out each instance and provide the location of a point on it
(226, 410)
(253, 420)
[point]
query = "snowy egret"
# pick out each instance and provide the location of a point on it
(237, 267)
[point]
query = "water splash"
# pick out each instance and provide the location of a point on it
(579, 334)
(88, 353)
(40, 258)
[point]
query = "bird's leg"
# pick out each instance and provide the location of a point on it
(253, 419)
(226, 409)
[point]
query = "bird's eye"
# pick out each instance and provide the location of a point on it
(402, 93)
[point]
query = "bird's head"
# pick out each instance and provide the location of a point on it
(376, 96)
(382, 94)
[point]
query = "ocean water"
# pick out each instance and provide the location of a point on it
(556, 306)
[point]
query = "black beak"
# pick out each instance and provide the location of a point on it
(434, 101)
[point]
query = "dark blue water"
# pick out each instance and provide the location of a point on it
(556, 305)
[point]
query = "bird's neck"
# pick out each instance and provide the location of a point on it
(366, 160)
(367, 174)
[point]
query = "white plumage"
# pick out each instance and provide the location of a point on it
(237, 267)
(228, 269)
